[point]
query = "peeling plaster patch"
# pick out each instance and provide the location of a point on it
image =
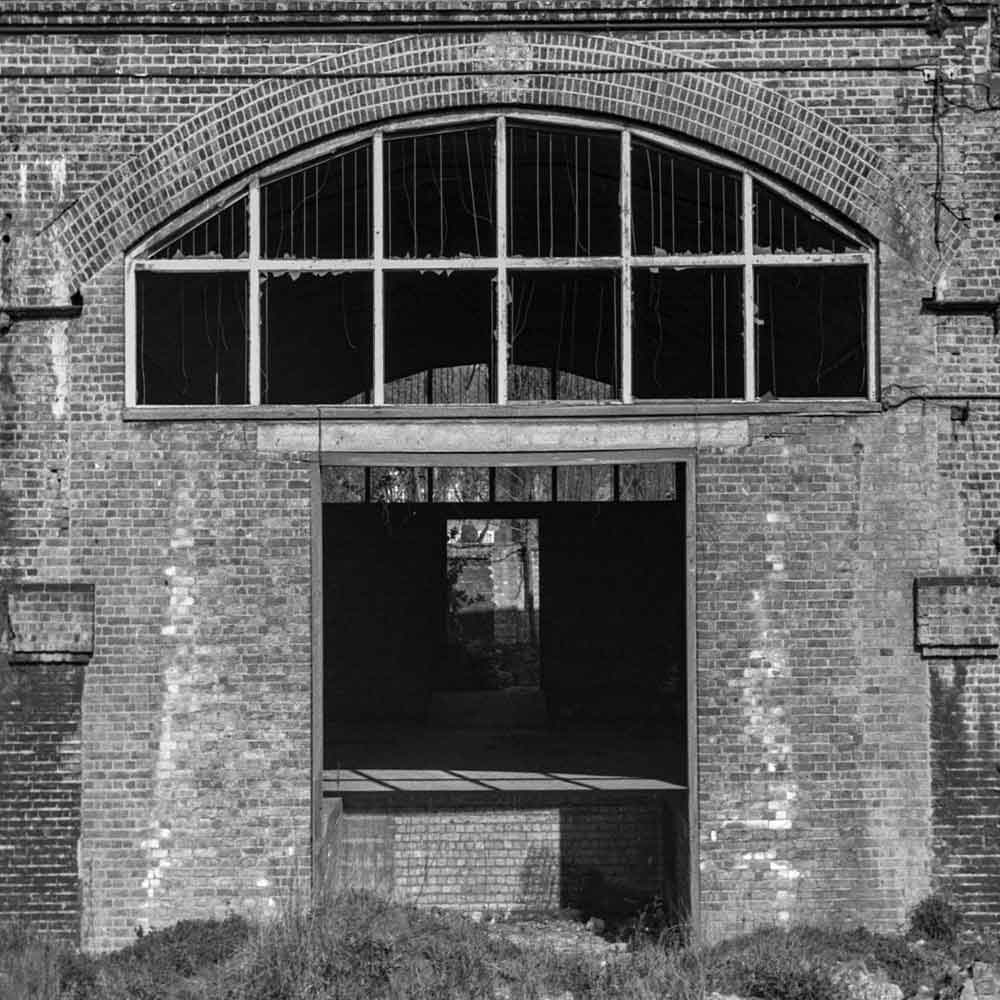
(59, 348)
(57, 173)
(22, 182)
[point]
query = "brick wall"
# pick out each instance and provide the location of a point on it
(816, 716)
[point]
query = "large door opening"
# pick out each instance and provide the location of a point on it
(505, 708)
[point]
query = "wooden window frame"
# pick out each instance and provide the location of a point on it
(624, 263)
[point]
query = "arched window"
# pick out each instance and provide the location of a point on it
(501, 260)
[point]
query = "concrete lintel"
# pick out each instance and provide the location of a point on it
(490, 437)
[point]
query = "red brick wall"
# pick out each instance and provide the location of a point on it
(814, 716)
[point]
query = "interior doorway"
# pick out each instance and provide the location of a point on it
(508, 647)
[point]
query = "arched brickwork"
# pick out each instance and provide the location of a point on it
(649, 84)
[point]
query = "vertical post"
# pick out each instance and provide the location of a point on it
(872, 344)
(316, 571)
(749, 308)
(253, 310)
(625, 205)
(131, 337)
(502, 304)
(378, 280)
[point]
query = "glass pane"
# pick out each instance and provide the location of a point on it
(343, 483)
(441, 193)
(390, 484)
(563, 199)
(781, 227)
(515, 484)
(681, 205)
(493, 605)
(811, 331)
(687, 333)
(587, 483)
(224, 235)
(647, 481)
(438, 337)
(192, 338)
(564, 335)
(322, 210)
(461, 485)
(316, 333)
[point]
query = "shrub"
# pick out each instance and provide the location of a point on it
(935, 919)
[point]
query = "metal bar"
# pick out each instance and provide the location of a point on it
(253, 313)
(798, 259)
(749, 312)
(503, 292)
(378, 262)
(131, 336)
(625, 204)
(194, 265)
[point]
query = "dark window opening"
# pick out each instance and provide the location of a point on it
(563, 192)
(687, 333)
(316, 338)
(322, 210)
(192, 338)
(811, 331)
(441, 194)
(781, 227)
(224, 235)
(680, 205)
(564, 334)
(438, 337)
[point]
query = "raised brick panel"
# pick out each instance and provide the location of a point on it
(40, 795)
(965, 741)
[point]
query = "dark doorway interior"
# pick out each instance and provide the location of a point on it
(446, 677)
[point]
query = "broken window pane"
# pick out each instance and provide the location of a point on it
(322, 210)
(681, 205)
(316, 338)
(517, 484)
(453, 484)
(647, 481)
(441, 193)
(493, 605)
(563, 192)
(192, 338)
(564, 333)
(224, 235)
(811, 331)
(781, 227)
(390, 484)
(438, 337)
(586, 483)
(687, 333)
(343, 483)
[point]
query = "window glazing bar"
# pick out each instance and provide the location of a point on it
(749, 311)
(502, 291)
(253, 313)
(625, 206)
(378, 289)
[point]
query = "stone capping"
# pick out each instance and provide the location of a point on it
(957, 617)
(50, 622)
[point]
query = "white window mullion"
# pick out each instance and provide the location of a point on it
(253, 312)
(502, 305)
(131, 337)
(625, 202)
(749, 310)
(378, 289)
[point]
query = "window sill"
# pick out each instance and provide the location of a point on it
(511, 411)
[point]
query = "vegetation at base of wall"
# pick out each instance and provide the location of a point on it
(358, 947)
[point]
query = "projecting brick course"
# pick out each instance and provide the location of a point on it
(841, 775)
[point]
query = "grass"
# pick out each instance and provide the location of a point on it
(358, 947)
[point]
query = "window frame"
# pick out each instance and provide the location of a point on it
(140, 259)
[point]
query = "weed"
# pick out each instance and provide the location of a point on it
(934, 918)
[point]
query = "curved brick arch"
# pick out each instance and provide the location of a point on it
(589, 74)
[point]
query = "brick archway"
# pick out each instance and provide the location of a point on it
(632, 80)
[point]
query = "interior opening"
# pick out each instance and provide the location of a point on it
(513, 632)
